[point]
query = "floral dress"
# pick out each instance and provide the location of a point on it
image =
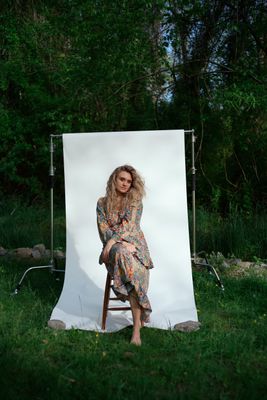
(130, 271)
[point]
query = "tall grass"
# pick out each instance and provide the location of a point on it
(236, 234)
(22, 226)
(225, 359)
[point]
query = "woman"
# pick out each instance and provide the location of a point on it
(125, 252)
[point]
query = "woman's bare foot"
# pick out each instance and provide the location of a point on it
(136, 340)
(136, 311)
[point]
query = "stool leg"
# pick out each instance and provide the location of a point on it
(106, 301)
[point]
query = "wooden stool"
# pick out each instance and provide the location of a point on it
(107, 298)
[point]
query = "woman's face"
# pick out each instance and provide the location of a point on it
(123, 182)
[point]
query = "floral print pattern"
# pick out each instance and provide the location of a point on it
(129, 270)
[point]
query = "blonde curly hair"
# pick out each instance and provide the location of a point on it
(132, 197)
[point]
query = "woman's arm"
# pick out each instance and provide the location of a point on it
(127, 227)
(131, 221)
(104, 230)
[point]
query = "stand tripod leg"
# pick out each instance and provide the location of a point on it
(210, 269)
(51, 266)
(26, 272)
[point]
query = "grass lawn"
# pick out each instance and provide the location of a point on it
(225, 359)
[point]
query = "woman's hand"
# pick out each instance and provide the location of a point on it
(130, 247)
(106, 250)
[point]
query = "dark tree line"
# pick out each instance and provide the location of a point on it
(84, 65)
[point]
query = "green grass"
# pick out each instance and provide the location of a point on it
(240, 235)
(244, 236)
(22, 226)
(225, 359)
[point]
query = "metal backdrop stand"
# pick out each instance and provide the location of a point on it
(194, 260)
(52, 265)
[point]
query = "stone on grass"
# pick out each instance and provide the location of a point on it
(187, 326)
(244, 264)
(36, 254)
(56, 324)
(225, 265)
(199, 260)
(3, 251)
(47, 253)
(41, 248)
(234, 261)
(59, 254)
(23, 252)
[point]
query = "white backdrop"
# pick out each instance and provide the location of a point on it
(89, 159)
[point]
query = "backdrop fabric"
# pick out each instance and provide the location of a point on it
(89, 160)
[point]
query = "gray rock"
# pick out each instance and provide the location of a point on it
(36, 254)
(234, 261)
(56, 324)
(23, 252)
(41, 248)
(3, 251)
(187, 326)
(47, 253)
(59, 254)
(244, 264)
(199, 260)
(224, 265)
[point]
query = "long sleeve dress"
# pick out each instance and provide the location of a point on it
(130, 271)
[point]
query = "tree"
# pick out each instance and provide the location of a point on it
(70, 66)
(218, 86)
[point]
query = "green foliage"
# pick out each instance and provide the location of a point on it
(24, 226)
(75, 66)
(217, 260)
(69, 67)
(242, 234)
(218, 87)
